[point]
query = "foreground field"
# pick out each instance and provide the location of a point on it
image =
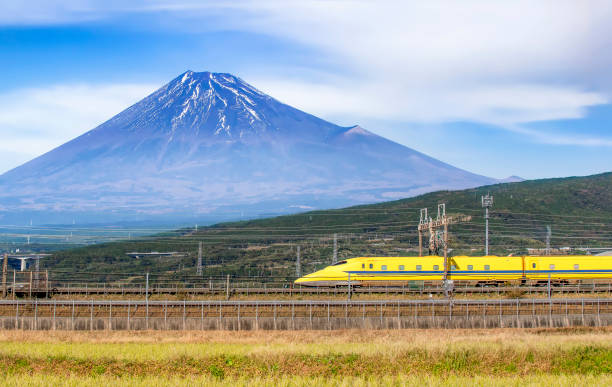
(286, 381)
(432, 357)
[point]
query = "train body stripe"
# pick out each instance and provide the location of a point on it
(435, 272)
(570, 271)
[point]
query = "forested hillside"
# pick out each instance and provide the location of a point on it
(578, 210)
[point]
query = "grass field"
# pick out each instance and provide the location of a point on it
(287, 381)
(433, 357)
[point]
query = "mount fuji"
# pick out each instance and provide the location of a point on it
(210, 146)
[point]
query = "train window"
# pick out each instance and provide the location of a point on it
(383, 267)
(487, 267)
(470, 267)
(552, 266)
(401, 267)
(419, 267)
(363, 265)
(533, 265)
(453, 267)
(576, 267)
(371, 266)
(436, 267)
(339, 263)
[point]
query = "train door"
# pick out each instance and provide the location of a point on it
(533, 268)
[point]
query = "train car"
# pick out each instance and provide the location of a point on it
(567, 268)
(484, 270)
(376, 271)
(369, 271)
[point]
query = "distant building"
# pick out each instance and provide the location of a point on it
(553, 251)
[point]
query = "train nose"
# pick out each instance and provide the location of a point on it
(303, 279)
(309, 279)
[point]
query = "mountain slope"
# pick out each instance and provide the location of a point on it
(578, 209)
(206, 144)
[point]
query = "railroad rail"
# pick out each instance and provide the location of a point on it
(302, 314)
(38, 284)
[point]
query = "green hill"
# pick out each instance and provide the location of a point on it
(578, 210)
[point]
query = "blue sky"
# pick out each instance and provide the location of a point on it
(497, 88)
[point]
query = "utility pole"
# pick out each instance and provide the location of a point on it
(36, 269)
(335, 256)
(438, 239)
(444, 222)
(348, 294)
(487, 202)
(199, 268)
(423, 224)
(548, 234)
(298, 266)
(147, 300)
(227, 289)
(4, 270)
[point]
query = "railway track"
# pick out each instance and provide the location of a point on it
(141, 290)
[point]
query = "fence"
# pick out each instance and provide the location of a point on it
(295, 315)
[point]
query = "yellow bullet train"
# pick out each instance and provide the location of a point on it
(483, 270)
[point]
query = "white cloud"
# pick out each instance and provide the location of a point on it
(499, 62)
(547, 137)
(35, 120)
(496, 104)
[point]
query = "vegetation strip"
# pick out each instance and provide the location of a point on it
(298, 381)
(588, 359)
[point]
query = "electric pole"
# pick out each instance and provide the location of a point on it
(335, 256)
(439, 239)
(4, 270)
(548, 234)
(487, 202)
(298, 266)
(423, 224)
(199, 268)
(36, 269)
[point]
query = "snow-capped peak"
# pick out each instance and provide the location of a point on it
(215, 103)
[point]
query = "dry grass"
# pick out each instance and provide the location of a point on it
(403, 380)
(416, 337)
(355, 357)
(157, 345)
